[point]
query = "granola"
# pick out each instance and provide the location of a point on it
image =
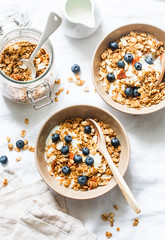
(10, 61)
(98, 173)
(139, 75)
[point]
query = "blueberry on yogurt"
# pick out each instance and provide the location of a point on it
(136, 93)
(65, 169)
(128, 57)
(115, 142)
(149, 60)
(121, 64)
(138, 66)
(85, 151)
(89, 161)
(68, 138)
(55, 137)
(65, 149)
(113, 45)
(87, 129)
(77, 159)
(129, 91)
(110, 77)
(82, 180)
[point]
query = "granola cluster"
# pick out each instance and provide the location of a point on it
(140, 46)
(99, 174)
(11, 65)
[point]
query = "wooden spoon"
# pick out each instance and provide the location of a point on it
(162, 59)
(119, 179)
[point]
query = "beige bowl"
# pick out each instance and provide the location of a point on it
(84, 111)
(114, 36)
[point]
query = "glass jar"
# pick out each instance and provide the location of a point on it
(38, 91)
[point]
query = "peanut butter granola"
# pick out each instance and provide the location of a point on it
(72, 156)
(130, 69)
(10, 61)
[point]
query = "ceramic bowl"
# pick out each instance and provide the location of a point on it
(114, 36)
(84, 111)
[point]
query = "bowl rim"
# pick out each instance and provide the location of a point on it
(115, 105)
(115, 183)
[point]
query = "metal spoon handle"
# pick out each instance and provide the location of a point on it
(53, 22)
(121, 182)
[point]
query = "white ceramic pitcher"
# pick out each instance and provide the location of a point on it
(81, 18)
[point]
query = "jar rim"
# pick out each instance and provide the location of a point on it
(49, 66)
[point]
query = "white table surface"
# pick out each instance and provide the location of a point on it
(146, 171)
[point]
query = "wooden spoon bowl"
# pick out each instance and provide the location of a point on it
(84, 111)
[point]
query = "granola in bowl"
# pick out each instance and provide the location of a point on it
(130, 69)
(10, 60)
(72, 156)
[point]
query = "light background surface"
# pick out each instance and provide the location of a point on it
(146, 171)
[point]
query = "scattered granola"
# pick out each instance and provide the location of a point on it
(10, 146)
(26, 121)
(118, 229)
(25, 141)
(23, 133)
(98, 173)
(108, 234)
(5, 182)
(10, 61)
(31, 149)
(115, 207)
(86, 89)
(70, 79)
(136, 222)
(18, 158)
(57, 81)
(17, 149)
(67, 92)
(56, 99)
(60, 90)
(8, 139)
(138, 72)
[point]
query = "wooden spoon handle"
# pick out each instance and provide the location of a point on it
(162, 59)
(121, 182)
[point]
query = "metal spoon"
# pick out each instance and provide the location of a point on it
(53, 22)
(101, 145)
(162, 59)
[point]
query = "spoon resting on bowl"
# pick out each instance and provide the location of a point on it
(101, 145)
(162, 59)
(53, 22)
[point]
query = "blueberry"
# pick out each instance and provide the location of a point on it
(129, 91)
(110, 77)
(82, 180)
(136, 93)
(149, 60)
(113, 45)
(85, 151)
(68, 138)
(55, 137)
(20, 144)
(89, 161)
(3, 159)
(128, 57)
(121, 64)
(65, 149)
(65, 169)
(77, 159)
(115, 142)
(87, 129)
(75, 68)
(138, 66)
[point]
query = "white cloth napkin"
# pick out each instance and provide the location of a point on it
(30, 211)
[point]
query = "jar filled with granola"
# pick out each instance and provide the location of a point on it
(16, 83)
